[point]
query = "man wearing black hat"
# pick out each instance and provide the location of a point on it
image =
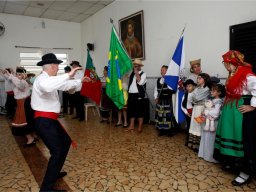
(77, 98)
(45, 102)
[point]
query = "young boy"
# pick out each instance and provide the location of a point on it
(186, 104)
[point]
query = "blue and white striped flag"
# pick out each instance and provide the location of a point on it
(172, 78)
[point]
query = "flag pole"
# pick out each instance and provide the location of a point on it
(182, 32)
(112, 22)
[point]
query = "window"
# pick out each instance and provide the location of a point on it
(243, 39)
(29, 61)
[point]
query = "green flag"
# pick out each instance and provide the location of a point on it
(119, 63)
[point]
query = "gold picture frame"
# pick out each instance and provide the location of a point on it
(131, 30)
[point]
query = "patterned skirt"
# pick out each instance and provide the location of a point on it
(195, 128)
(164, 115)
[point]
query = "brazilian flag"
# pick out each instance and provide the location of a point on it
(119, 63)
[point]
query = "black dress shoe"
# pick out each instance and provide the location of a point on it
(62, 174)
(245, 181)
(75, 117)
(81, 119)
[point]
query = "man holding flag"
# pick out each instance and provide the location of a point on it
(173, 77)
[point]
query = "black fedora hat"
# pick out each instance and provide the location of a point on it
(75, 63)
(49, 58)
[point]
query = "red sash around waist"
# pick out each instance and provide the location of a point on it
(54, 116)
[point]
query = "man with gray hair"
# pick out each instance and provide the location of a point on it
(45, 102)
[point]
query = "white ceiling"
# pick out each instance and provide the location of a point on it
(67, 10)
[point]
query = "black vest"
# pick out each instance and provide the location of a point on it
(141, 88)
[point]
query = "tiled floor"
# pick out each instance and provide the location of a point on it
(109, 159)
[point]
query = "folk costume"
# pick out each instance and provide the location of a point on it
(45, 102)
(136, 93)
(199, 96)
(187, 106)
(22, 123)
(164, 118)
(206, 147)
(235, 143)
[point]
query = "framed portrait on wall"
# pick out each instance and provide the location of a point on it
(131, 30)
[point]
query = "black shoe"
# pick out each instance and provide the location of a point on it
(75, 117)
(245, 181)
(62, 174)
(81, 119)
(117, 125)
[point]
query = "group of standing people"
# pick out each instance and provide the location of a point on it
(72, 99)
(220, 130)
(220, 119)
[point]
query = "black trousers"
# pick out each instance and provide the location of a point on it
(67, 102)
(79, 105)
(58, 142)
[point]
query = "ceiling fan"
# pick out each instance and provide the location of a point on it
(2, 28)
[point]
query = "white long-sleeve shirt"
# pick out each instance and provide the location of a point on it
(79, 75)
(133, 87)
(189, 103)
(21, 87)
(45, 91)
(250, 89)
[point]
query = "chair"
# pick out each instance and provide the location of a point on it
(92, 105)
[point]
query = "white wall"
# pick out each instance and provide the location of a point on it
(206, 35)
(28, 31)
